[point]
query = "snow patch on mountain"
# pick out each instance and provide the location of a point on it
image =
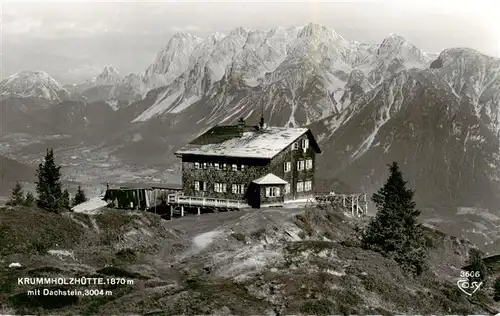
(158, 108)
(33, 84)
(185, 104)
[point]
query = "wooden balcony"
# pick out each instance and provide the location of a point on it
(205, 201)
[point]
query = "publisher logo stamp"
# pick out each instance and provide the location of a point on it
(467, 287)
(470, 282)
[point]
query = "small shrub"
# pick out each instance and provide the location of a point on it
(318, 307)
(126, 254)
(258, 233)
(239, 237)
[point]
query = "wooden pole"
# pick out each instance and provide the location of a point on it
(182, 210)
(138, 199)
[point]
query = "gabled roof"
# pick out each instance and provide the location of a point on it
(245, 141)
(269, 179)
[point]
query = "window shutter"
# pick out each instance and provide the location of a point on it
(278, 191)
(268, 192)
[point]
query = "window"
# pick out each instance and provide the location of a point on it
(309, 164)
(295, 146)
(205, 165)
(287, 188)
(200, 185)
(238, 188)
(300, 165)
(300, 186)
(220, 187)
(216, 165)
(235, 167)
(308, 185)
(287, 166)
(242, 167)
(224, 166)
(197, 165)
(272, 191)
(305, 144)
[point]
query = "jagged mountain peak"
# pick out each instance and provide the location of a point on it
(179, 41)
(393, 43)
(108, 76)
(110, 70)
(451, 54)
(239, 31)
(33, 84)
(317, 30)
(185, 36)
(217, 36)
(172, 60)
(396, 46)
(36, 75)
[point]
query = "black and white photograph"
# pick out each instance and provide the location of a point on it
(250, 157)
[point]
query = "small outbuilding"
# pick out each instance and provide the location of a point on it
(267, 191)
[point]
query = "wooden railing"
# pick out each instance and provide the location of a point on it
(205, 201)
(357, 202)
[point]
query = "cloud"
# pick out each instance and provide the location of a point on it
(86, 70)
(187, 28)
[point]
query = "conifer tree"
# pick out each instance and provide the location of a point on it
(48, 186)
(496, 289)
(478, 270)
(65, 200)
(395, 230)
(30, 199)
(17, 197)
(79, 196)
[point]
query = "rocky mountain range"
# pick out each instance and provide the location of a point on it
(369, 104)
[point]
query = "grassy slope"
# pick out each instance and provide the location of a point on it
(260, 262)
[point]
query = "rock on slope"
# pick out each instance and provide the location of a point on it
(267, 262)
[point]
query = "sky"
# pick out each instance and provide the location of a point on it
(73, 41)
